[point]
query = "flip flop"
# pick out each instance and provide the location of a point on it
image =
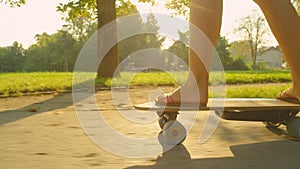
(171, 102)
(288, 98)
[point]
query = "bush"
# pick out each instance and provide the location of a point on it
(239, 64)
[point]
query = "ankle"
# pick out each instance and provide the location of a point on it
(294, 91)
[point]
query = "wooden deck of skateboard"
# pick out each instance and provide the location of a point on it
(231, 104)
(244, 109)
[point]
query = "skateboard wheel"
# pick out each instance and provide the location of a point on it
(162, 121)
(174, 132)
(293, 127)
(272, 125)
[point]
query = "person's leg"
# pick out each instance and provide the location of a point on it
(206, 15)
(285, 25)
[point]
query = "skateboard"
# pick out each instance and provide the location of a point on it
(272, 112)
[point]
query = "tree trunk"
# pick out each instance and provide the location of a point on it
(255, 56)
(106, 14)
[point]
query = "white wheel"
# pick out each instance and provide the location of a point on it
(174, 132)
(293, 127)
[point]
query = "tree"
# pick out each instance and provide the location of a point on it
(133, 43)
(241, 50)
(106, 12)
(152, 40)
(253, 29)
(222, 48)
(11, 58)
(139, 42)
(51, 53)
(179, 47)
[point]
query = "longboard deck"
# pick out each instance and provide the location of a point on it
(230, 104)
(271, 111)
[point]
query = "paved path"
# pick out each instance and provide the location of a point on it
(44, 132)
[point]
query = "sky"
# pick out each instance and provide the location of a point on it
(21, 24)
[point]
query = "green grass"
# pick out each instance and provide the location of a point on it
(147, 79)
(255, 90)
(178, 78)
(250, 77)
(20, 83)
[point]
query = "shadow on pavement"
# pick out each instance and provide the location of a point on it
(82, 91)
(266, 155)
(57, 102)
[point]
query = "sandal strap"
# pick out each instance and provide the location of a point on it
(169, 99)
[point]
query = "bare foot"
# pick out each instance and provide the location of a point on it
(185, 94)
(289, 94)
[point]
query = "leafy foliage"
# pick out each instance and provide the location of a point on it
(180, 49)
(57, 52)
(12, 58)
(13, 3)
(149, 39)
(180, 7)
(222, 48)
(80, 17)
(139, 42)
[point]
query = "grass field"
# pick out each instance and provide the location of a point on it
(20, 83)
(177, 78)
(239, 84)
